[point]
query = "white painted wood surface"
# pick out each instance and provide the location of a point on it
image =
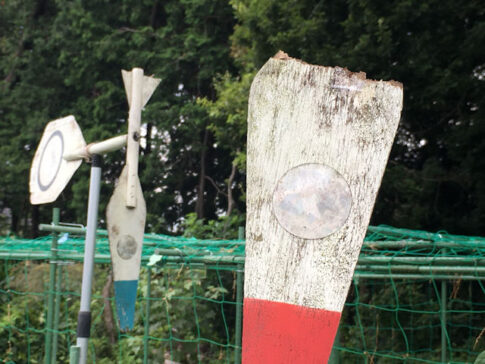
(301, 113)
(133, 143)
(50, 172)
(125, 230)
(139, 89)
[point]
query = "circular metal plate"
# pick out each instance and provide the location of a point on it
(312, 201)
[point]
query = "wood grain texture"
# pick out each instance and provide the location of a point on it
(300, 113)
(133, 141)
(125, 230)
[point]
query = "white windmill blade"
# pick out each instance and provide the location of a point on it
(318, 143)
(50, 172)
(138, 88)
(126, 211)
(125, 228)
(149, 85)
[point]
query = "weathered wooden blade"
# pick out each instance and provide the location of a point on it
(125, 231)
(50, 172)
(138, 88)
(318, 143)
(149, 85)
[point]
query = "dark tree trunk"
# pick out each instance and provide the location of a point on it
(148, 138)
(35, 222)
(199, 205)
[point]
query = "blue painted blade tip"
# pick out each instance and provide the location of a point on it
(125, 297)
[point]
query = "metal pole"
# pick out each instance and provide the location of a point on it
(108, 145)
(443, 321)
(57, 314)
(380, 268)
(84, 317)
(52, 282)
(443, 317)
(147, 316)
(239, 304)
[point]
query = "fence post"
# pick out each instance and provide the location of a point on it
(52, 282)
(147, 316)
(57, 311)
(239, 304)
(74, 354)
(443, 321)
(443, 306)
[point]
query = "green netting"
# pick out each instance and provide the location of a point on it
(186, 305)
(415, 297)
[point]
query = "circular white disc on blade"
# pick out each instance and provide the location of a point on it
(312, 201)
(50, 173)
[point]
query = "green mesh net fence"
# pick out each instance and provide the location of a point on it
(415, 297)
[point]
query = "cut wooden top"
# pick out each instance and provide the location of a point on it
(305, 114)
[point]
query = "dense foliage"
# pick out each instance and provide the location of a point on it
(64, 57)
(61, 57)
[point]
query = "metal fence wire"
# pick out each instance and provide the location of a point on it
(415, 297)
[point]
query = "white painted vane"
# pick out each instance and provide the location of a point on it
(318, 143)
(50, 172)
(59, 154)
(126, 212)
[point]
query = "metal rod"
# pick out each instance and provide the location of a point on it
(52, 282)
(420, 268)
(108, 145)
(239, 304)
(363, 271)
(105, 146)
(57, 313)
(424, 260)
(103, 232)
(106, 258)
(84, 317)
(401, 232)
(399, 244)
(443, 307)
(69, 229)
(443, 321)
(381, 271)
(147, 316)
(418, 276)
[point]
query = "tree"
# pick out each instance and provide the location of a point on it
(60, 58)
(433, 177)
(65, 58)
